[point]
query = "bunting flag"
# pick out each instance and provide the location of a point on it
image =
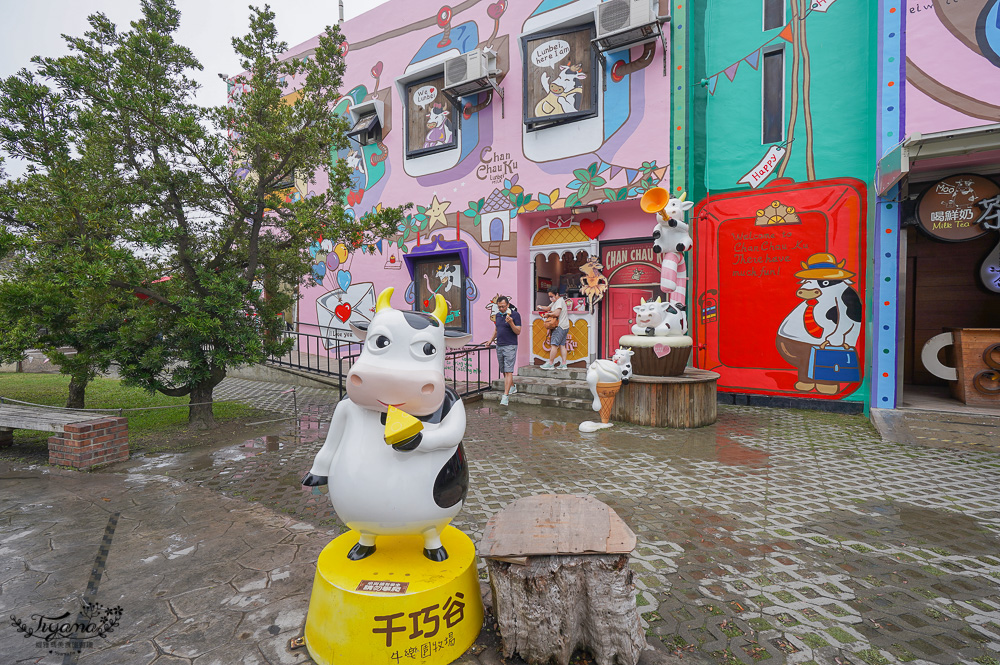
(730, 71)
(630, 174)
(712, 82)
(615, 170)
(786, 34)
(753, 59)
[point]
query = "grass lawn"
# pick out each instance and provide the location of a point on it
(147, 429)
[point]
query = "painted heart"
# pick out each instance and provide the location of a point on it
(377, 69)
(661, 350)
(344, 279)
(592, 227)
(343, 311)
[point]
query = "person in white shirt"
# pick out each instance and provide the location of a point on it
(559, 334)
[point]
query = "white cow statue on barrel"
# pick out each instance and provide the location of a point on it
(411, 486)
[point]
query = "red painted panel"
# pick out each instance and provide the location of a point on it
(744, 278)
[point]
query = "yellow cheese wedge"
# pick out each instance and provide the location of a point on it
(400, 426)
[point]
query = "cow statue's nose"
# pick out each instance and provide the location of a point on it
(356, 380)
(427, 389)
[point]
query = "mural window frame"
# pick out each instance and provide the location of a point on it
(428, 266)
(767, 95)
(530, 103)
(453, 112)
(773, 14)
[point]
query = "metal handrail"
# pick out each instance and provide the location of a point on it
(322, 355)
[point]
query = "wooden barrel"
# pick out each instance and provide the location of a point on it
(685, 401)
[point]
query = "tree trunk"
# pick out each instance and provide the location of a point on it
(556, 604)
(76, 399)
(200, 415)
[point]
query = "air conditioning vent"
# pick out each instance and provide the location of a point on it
(625, 17)
(614, 15)
(458, 71)
(470, 72)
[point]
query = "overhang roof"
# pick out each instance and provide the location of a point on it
(922, 157)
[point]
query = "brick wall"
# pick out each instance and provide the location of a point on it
(82, 445)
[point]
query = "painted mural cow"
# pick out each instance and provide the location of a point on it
(829, 315)
(564, 91)
(671, 238)
(415, 486)
(661, 319)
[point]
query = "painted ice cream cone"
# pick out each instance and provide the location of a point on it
(606, 393)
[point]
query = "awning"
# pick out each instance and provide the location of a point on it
(364, 124)
(926, 156)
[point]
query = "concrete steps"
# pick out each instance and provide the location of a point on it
(563, 388)
(938, 427)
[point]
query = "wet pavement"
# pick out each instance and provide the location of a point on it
(773, 536)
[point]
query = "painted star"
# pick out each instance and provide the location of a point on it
(436, 213)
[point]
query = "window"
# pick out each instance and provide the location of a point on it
(774, 14)
(431, 118)
(560, 71)
(446, 276)
(773, 92)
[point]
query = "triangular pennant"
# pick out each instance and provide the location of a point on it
(712, 82)
(753, 59)
(602, 166)
(631, 174)
(786, 34)
(730, 71)
(660, 173)
(615, 170)
(379, 245)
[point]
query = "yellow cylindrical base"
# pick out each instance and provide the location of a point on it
(395, 606)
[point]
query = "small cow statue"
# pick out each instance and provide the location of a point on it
(659, 319)
(415, 486)
(672, 237)
(619, 368)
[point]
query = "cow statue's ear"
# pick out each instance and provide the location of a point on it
(360, 330)
(456, 340)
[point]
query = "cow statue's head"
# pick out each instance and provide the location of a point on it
(402, 358)
(649, 314)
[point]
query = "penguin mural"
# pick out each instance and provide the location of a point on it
(394, 459)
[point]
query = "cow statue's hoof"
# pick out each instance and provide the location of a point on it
(437, 554)
(312, 481)
(409, 444)
(359, 552)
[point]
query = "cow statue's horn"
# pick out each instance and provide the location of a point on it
(383, 300)
(440, 307)
(683, 197)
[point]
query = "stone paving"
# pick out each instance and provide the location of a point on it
(773, 536)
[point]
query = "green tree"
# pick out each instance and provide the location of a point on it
(198, 195)
(58, 241)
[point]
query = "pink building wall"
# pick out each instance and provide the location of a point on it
(499, 167)
(952, 65)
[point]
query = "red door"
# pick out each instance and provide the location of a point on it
(618, 315)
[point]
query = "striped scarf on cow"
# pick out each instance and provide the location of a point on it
(673, 276)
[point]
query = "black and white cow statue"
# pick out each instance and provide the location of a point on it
(659, 319)
(415, 486)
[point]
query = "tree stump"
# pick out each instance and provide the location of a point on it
(556, 604)
(560, 580)
(688, 400)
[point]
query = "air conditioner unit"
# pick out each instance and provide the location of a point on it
(470, 72)
(622, 23)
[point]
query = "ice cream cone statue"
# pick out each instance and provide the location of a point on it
(606, 393)
(605, 378)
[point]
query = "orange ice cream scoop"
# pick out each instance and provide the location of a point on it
(400, 426)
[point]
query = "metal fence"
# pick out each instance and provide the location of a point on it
(468, 370)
